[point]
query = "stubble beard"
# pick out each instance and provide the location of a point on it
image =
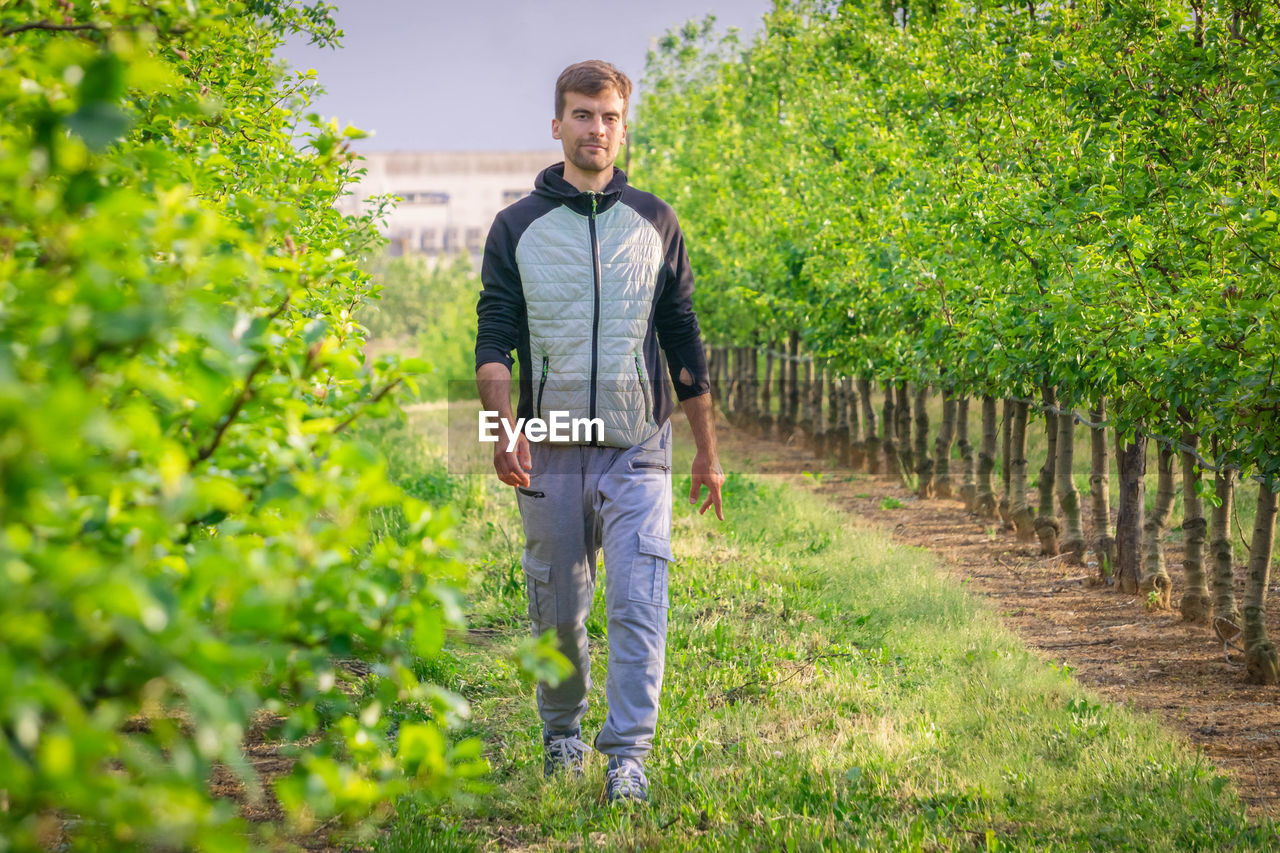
(585, 162)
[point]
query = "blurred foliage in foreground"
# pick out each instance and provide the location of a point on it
(185, 546)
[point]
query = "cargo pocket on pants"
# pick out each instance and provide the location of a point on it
(542, 599)
(649, 570)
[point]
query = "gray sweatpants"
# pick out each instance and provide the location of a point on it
(580, 499)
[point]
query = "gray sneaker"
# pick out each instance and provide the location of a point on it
(625, 782)
(563, 751)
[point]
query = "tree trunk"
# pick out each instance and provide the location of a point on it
(793, 383)
(778, 407)
(816, 392)
(731, 382)
(854, 453)
(1155, 578)
(1020, 512)
(740, 382)
(870, 441)
(924, 463)
(835, 402)
(1006, 464)
(1196, 605)
(803, 382)
(780, 416)
(726, 380)
(713, 364)
(812, 403)
(889, 424)
(752, 405)
(729, 391)
(1104, 544)
(858, 452)
(1132, 462)
(987, 502)
(942, 447)
(1068, 498)
(1224, 588)
(902, 412)
(766, 395)
(1260, 661)
(1046, 524)
(836, 418)
(968, 487)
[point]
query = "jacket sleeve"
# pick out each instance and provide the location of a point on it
(500, 309)
(677, 325)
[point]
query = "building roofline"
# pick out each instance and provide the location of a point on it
(461, 152)
(408, 162)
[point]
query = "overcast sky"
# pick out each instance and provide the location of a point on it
(480, 74)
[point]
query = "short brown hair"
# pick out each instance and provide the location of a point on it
(591, 78)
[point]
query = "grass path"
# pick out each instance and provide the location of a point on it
(825, 689)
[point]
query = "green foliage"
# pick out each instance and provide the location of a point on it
(431, 307)
(185, 541)
(993, 198)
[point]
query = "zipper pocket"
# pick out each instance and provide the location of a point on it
(657, 465)
(542, 383)
(530, 492)
(644, 387)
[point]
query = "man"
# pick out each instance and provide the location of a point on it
(586, 279)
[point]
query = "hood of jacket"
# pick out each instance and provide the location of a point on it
(551, 184)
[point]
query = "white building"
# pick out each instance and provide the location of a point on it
(448, 198)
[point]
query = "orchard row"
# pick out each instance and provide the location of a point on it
(1043, 208)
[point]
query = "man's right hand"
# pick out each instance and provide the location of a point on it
(493, 381)
(513, 467)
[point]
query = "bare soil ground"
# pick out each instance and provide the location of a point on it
(269, 759)
(1147, 659)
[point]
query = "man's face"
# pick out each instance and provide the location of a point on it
(591, 129)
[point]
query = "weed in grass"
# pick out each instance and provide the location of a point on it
(891, 503)
(426, 833)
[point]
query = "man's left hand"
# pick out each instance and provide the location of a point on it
(707, 472)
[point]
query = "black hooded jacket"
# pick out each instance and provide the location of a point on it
(605, 278)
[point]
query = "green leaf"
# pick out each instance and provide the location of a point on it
(104, 79)
(99, 124)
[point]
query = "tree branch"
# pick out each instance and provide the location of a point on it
(246, 392)
(376, 397)
(49, 25)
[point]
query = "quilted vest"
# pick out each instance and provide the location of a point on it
(589, 284)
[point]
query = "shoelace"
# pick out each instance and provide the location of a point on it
(567, 751)
(626, 780)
